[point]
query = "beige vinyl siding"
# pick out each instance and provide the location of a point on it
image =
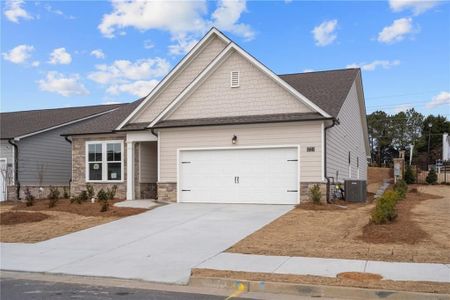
(304, 134)
(257, 94)
(7, 151)
(148, 169)
(180, 81)
(345, 137)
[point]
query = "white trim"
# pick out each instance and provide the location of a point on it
(179, 66)
(216, 61)
(104, 161)
(159, 156)
(62, 125)
(4, 189)
(323, 150)
(130, 170)
(297, 146)
(140, 136)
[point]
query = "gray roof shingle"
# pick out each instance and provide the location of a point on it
(326, 89)
(15, 124)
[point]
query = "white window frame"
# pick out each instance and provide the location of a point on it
(104, 161)
(238, 79)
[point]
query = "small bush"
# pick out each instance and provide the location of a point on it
(66, 194)
(401, 188)
(385, 211)
(90, 191)
(29, 198)
(414, 190)
(431, 177)
(410, 178)
(103, 197)
(53, 196)
(315, 194)
(82, 197)
(111, 192)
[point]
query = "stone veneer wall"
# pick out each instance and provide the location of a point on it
(79, 165)
(304, 191)
(167, 191)
(35, 191)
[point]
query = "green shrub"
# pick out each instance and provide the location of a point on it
(29, 198)
(103, 197)
(410, 178)
(315, 194)
(82, 197)
(90, 191)
(54, 193)
(111, 192)
(385, 211)
(66, 194)
(401, 188)
(431, 177)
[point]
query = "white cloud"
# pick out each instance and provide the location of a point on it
(308, 70)
(416, 6)
(124, 70)
(396, 31)
(324, 34)
(402, 107)
(98, 53)
(183, 44)
(64, 85)
(138, 88)
(385, 64)
(443, 98)
(148, 44)
(60, 56)
(188, 19)
(19, 54)
(14, 11)
(58, 12)
(227, 15)
(36, 63)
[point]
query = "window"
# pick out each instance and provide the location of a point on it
(234, 79)
(104, 161)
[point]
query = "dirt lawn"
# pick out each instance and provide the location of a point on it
(419, 234)
(22, 224)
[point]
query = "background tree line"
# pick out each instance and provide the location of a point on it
(388, 134)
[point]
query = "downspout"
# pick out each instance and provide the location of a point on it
(70, 179)
(335, 122)
(16, 167)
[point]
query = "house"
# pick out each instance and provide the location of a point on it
(33, 153)
(222, 127)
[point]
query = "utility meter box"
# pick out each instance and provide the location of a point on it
(355, 190)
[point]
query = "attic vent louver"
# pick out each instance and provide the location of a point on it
(234, 79)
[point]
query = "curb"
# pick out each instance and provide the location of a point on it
(298, 289)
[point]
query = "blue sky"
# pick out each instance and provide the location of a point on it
(70, 53)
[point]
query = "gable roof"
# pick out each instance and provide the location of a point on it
(212, 32)
(105, 123)
(25, 123)
(327, 89)
(216, 62)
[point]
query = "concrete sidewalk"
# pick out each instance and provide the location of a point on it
(327, 267)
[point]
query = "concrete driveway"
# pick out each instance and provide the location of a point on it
(161, 245)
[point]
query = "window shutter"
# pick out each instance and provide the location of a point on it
(234, 79)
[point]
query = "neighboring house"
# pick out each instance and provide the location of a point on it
(222, 127)
(33, 153)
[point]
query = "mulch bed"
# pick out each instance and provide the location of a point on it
(86, 209)
(358, 276)
(337, 205)
(19, 217)
(403, 229)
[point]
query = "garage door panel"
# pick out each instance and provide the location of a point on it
(263, 175)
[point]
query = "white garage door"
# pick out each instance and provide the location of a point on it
(263, 175)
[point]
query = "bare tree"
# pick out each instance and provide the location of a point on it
(41, 171)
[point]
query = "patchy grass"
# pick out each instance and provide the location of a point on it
(19, 217)
(62, 219)
(354, 280)
(420, 234)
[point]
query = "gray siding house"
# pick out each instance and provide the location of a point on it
(222, 127)
(33, 153)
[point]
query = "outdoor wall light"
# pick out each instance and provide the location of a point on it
(234, 139)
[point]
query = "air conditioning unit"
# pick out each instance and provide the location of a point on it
(355, 190)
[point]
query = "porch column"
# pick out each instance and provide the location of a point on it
(130, 170)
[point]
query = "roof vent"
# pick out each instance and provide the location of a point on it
(234, 79)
